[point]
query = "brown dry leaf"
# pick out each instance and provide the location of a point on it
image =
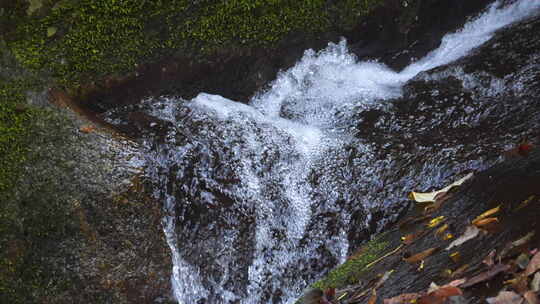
(485, 221)
(430, 299)
(439, 294)
(470, 233)
(410, 238)
(531, 297)
(506, 297)
(447, 291)
(403, 298)
(87, 129)
(373, 298)
(534, 265)
(488, 260)
(484, 276)
(420, 256)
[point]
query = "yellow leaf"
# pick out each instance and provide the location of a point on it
(488, 213)
(455, 256)
(485, 221)
(435, 222)
(441, 229)
(448, 236)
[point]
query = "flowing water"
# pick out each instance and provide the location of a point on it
(262, 198)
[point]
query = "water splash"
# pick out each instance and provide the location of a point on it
(284, 147)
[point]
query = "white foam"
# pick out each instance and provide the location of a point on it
(297, 117)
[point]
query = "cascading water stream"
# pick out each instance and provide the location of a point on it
(259, 197)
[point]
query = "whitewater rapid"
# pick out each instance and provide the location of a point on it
(296, 122)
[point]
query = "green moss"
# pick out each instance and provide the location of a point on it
(351, 271)
(94, 38)
(33, 217)
(32, 221)
(14, 118)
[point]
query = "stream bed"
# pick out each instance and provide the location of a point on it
(262, 197)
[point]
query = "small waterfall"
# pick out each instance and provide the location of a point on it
(259, 197)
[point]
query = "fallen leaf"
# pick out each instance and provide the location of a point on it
(470, 233)
(524, 203)
(534, 265)
(421, 267)
(461, 270)
(488, 213)
(420, 256)
(447, 237)
(438, 295)
(429, 299)
(87, 129)
(441, 229)
(447, 291)
(455, 257)
(525, 148)
(432, 287)
(373, 298)
(485, 221)
(486, 275)
(435, 222)
(403, 298)
(330, 293)
(456, 283)
(409, 238)
(517, 243)
(446, 273)
(531, 297)
(383, 279)
(523, 260)
(431, 196)
(523, 240)
(519, 284)
(488, 260)
(535, 283)
(506, 297)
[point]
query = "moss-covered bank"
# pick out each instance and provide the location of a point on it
(80, 41)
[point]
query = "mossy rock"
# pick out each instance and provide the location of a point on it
(95, 38)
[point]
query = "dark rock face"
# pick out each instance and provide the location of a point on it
(506, 185)
(402, 31)
(449, 121)
(463, 120)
